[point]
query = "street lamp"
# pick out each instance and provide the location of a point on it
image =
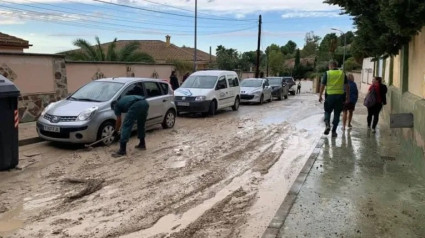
(345, 43)
(196, 36)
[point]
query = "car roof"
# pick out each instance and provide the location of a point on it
(127, 80)
(213, 72)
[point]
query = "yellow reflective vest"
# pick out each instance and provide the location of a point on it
(335, 82)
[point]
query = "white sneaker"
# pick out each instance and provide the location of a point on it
(343, 128)
(373, 131)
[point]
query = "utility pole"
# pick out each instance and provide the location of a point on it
(257, 71)
(196, 35)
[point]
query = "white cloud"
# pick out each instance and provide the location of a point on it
(221, 6)
(310, 14)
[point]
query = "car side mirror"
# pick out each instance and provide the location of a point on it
(113, 104)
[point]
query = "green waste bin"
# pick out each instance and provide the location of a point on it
(9, 122)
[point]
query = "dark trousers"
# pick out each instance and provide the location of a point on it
(373, 112)
(333, 103)
(137, 112)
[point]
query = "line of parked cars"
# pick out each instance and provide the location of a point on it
(87, 114)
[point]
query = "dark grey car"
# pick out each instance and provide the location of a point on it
(280, 89)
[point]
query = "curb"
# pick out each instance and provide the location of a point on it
(282, 213)
(30, 141)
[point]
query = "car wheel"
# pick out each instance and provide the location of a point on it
(235, 106)
(286, 96)
(106, 132)
(262, 99)
(169, 119)
(292, 92)
(213, 108)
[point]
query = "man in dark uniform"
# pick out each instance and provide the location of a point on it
(136, 108)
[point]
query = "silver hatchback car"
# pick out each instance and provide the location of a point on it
(87, 115)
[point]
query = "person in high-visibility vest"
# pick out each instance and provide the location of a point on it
(335, 81)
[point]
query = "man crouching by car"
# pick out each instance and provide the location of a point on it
(136, 108)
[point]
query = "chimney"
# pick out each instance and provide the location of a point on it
(167, 40)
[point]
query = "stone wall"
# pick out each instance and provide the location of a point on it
(41, 79)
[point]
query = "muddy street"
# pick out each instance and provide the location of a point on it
(222, 176)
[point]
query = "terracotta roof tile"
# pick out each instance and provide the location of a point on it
(163, 53)
(7, 40)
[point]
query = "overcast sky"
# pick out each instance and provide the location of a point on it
(51, 26)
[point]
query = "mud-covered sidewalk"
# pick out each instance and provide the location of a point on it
(359, 186)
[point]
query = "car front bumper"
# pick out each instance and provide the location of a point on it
(250, 98)
(70, 132)
(201, 106)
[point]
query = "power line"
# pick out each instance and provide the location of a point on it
(187, 10)
(168, 13)
(74, 21)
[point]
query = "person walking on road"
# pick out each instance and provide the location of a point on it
(137, 109)
(381, 99)
(334, 80)
(299, 87)
(351, 105)
(174, 81)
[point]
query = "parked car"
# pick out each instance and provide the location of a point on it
(208, 91)
(256, 90)
(87, 115)
(291, 82)
(280, 88)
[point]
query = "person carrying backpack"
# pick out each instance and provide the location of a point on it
(380, 92)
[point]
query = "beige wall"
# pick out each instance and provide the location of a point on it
(417, 65)
(386, 76)
(31, 74)
(366, 75)
(396, 71)
(79, 74)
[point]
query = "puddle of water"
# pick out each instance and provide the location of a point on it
(179, 222)
(9, 221)
(10, 225)
(277, 183)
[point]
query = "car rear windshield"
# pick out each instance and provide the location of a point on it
(251, 83)
(97, 91)
(275, 81)
(198, 81)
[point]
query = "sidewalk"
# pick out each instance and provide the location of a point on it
(358, 186)
(28, 134)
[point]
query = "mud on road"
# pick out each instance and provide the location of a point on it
(208, 177)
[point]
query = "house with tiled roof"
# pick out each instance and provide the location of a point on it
(165, 52)
(10, 43)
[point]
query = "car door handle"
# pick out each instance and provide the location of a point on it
(164, 100)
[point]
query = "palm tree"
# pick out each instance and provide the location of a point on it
(87, 52)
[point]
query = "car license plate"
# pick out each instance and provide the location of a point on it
(182, 103)
(52, 128)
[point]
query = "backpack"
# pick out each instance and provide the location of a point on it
(370, 99)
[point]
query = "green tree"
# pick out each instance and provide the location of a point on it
(248, 60)
(227, 59)
(383, 27)
(276, 61)
(87, 52)
(289, 48)
(311, 45)
(327, 47)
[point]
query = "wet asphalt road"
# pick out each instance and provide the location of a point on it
(222, 176)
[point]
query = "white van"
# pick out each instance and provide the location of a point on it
(208, 91)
